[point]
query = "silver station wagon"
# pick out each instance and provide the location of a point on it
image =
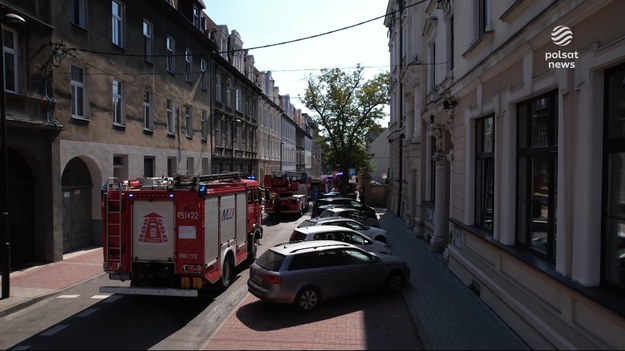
(306, 272)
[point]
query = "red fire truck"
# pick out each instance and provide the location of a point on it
(178, 236)
(291, 188)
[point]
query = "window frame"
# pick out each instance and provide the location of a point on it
(14, 65)
(78, 99)
(148, 42)
(170, 46)
(203, 68)
(117, 23)
(613, 215)
(188, 116)
(78, 16)
(531, 203)
(484, 163)
(148, 122)
(204, 123)
(170, 107)
(188, 58)
(118, 102)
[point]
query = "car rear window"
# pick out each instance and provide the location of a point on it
(306, 223)
(297, 236)
(271, 260)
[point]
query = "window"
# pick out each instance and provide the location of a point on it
(229, 92)
(613, 236)
(190, 165)
(117, 26)
(148, 166)
(451, 43)
(203, 84)
(170, 117)
(117, 103)
(196, 16)
(147, 111)
(171, 167)
(237, 99)
(188, 114)
(171, 50)
(432, 68)
(484, 172)
(218, 88)
(188, 58)
(483, 16)
(218, 131)
(78, 13)
(10, 59)
(537, 174)
(147, 41)
(432, 160)
(78, 92)
(204, 125)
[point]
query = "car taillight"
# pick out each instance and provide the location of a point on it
(272, 279)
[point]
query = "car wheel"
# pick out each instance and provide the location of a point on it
(307, 299)
(380, 239)
(394, 282)
(226, 272)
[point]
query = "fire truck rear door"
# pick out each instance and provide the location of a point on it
(153, 230)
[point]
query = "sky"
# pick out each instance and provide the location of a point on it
(262, 23)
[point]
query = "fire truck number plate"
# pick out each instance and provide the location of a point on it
(183, 255)
(187, 215)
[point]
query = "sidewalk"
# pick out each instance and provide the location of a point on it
(448, 315)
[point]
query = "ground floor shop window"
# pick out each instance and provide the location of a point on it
(537, 157)
(613, 241)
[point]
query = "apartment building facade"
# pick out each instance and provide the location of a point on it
(506, 136)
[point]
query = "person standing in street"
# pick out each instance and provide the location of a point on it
(277, 203)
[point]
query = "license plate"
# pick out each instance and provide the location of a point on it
(121, 277)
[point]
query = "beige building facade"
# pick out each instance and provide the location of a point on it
(506, 123)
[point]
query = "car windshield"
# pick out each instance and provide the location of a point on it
(325, 213)
(270, 260)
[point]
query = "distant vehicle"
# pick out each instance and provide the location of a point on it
(305, 273)
(350, 213)
(374, 233)
(330, 194)
(338, 233)
(345, 202)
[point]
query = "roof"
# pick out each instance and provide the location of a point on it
(311, 245)
(323, 229)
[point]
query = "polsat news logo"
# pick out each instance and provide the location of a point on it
(561, 36)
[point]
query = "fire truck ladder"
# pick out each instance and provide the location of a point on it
(113, 221)
(220, 177)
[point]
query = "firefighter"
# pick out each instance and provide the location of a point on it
(277, 203)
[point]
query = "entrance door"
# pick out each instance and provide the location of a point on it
(76, 188)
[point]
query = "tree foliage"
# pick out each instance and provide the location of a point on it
(347, 108)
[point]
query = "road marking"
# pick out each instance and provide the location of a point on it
(101, 296)
(55, 330)
(86, 312)
(67, 296)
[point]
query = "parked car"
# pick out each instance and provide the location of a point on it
(374, 233)
(345, 202)
(304, 273)
(350, 213)
(338, 233)
(330, 194)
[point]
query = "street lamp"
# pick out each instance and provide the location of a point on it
(234, 123)
(6, 272)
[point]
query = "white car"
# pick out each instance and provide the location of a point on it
(338, 233)
(374, 233)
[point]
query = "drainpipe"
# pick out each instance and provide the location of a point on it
(400, 3)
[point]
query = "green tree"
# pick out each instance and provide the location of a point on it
(347, 107)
